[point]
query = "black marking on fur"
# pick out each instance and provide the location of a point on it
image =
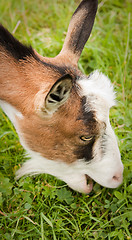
(13, 46)
(58, 69)
(83, 27)
(103, 141)
(88, 117)
(20, 51)
(85, 152)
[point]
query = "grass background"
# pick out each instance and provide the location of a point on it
(44, 207)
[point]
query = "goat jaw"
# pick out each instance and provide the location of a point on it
(79, 183)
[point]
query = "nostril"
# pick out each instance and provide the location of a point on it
(117, 177)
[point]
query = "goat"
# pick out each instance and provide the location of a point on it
(61, 116)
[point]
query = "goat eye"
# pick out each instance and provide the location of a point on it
(85, 138)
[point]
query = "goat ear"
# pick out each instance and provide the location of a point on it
(79, 29)
(58, 94)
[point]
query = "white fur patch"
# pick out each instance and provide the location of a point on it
(101, 170)
(99, 92)
(10, 111)
(70, 174)
(98, 85)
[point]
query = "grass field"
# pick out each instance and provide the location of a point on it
(44, 207)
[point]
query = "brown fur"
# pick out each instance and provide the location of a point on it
(25, 82)
(57, 137)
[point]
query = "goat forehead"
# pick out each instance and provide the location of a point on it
(99, 94)
(88, 119)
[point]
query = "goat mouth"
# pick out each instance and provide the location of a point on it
(89, 184)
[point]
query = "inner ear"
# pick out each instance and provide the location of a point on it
(59, 93)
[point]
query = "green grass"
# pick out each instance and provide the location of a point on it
(44, 207)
